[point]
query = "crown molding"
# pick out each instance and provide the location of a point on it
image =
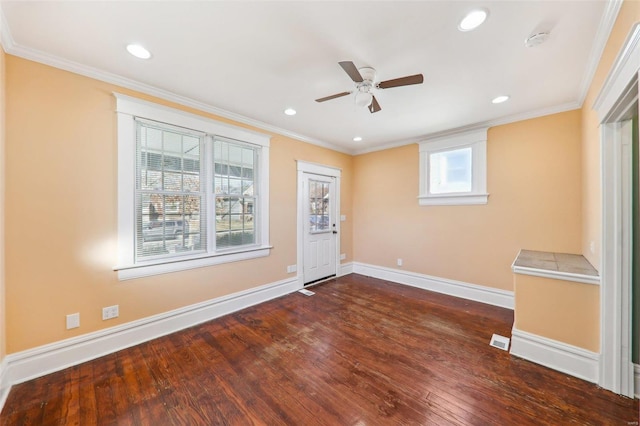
(5, 35)
(508, 119)
(604, 30)
(12, 48)
(608, 20)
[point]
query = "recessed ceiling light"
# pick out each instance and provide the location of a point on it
(290, 111)
(138, 51)
(500, 99)
(472, 20)
(357, 139)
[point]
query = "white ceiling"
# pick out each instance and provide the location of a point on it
(254, 59)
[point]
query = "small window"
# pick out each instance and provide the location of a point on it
(453, 170)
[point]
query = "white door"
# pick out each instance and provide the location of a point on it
(319, 227)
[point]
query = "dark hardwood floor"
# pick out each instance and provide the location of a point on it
(360, 352)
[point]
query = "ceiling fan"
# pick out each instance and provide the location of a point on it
(364, 79)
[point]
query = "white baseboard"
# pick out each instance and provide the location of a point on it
(345, 269)
(636, 379)
(491, 296)
(556, 355)
(5, 385)
(36, 362)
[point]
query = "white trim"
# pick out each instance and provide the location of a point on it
(453, 200)
(559, 356)
(478, 293)
(608, 20)
(144, 109)
(37, 362)
(542, 112)
(615, 97)
(5, 386)
(345, 269)
(636, 379)
(127, 272)
(556, 275)
(622, 72)
(318, 169)
(12, 48)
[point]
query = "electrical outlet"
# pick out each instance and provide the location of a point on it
(343, 256)
(110, 312)
(343, 217)
(73, 321)
(399, 262)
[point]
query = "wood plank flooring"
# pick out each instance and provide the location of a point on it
(360, 352)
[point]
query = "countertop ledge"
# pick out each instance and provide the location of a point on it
(560, 266)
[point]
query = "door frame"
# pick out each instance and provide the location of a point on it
(618, 94)
(316, 169)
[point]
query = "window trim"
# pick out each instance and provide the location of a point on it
(127, 108)
(477, 141)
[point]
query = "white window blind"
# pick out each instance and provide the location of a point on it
(170, 219)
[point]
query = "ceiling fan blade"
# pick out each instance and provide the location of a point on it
(352, 71)
(337, 95)
(402, 81)
(375, 106)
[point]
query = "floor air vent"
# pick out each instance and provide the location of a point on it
(306, 292)
(500, 342)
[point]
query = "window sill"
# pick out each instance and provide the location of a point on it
(452, 199)
(127, 272)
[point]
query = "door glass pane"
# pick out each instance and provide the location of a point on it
(319, 199)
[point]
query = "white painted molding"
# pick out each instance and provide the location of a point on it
(608, 20)
(556, 275)
(36, 362)
(5, 385)
(11, 47)
(345, 269)
(623, 71)
(478, 293)
(617, 94)
(556, 355)
(556, 109)
(636, 379)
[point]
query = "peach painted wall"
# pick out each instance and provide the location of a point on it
(61, 218)
(2, 205)
(565, 311)
(533, 179)
(592, 197)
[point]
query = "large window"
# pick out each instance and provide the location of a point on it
(191, 191)
(453, 169)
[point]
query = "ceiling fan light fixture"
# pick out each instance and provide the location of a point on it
(473, 20)
(138, 51)
(364, 99)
